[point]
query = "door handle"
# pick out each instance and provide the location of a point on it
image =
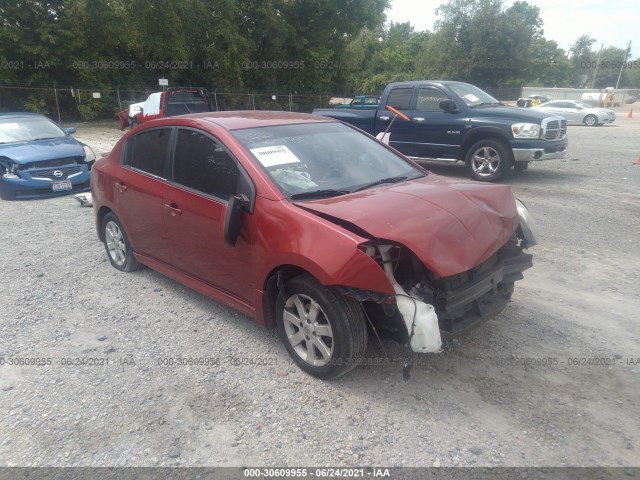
(385, 118)
(173, 209)
(121, 187)
(419, 119)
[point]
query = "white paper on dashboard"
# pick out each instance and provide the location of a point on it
(276, 155)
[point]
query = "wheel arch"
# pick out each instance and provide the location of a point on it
(491, 134)
(102, 212)
(272, 289)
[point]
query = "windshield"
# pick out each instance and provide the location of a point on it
(24, 129)
(319, 160)
(472, 95)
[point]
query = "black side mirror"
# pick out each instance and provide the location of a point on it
(448, 106)
(233, 218)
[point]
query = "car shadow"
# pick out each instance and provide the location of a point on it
(537, 173)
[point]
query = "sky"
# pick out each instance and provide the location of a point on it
(612, 22)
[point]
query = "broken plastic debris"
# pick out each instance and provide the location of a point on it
(420, 318)
(84, 199)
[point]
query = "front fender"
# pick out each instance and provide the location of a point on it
(326, 250)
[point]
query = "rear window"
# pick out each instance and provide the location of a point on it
(147, 151)
(186, 97)
(183, 103)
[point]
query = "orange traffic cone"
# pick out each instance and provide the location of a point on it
(637, 162)
(630, 113)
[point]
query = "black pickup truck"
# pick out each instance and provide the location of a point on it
(455, 121)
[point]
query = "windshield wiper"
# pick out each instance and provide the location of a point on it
(324, 193)
(45, 138)
(380, 182)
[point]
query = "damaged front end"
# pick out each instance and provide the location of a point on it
(428, 308)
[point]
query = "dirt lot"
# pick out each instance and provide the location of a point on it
(553, 381)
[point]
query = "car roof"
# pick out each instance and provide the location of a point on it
(235, 120)
(422, 82)
(19, 115)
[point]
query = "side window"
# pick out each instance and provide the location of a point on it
(429, 99)
(400, 98)
(147, 151)
(371, 101)
(200, 163)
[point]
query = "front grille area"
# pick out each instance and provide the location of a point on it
(48, 192)
(58, 162)
(555, 129)
(50, 173)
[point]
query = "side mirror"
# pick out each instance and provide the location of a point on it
(233, 218)
(70, 130)
(448, 106)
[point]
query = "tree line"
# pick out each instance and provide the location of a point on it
(268, 46)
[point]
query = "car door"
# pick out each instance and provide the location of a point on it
(555, 108)
(435, 133)
(195, 203)
(573, 113)
(400, 98)
(139, 188)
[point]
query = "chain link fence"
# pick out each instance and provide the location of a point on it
(71, 104)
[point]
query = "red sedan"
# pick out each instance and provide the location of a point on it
(313, 228)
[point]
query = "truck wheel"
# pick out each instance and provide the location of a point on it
(324, 332)
(488, 160)
(134, 123)
(591, 120)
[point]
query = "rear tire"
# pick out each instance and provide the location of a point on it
(324, 332)
(488, 160)
(117, 245)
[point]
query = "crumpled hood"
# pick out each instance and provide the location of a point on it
(27, 152)
(451, 226)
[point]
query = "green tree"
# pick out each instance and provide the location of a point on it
(548, 65)
(382, 56)
(480, 42)
(582, 57)
(611, 59)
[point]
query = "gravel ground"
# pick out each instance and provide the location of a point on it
(476, 404)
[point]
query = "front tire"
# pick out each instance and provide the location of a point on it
(324, 332)
(488, 160)
(117, 245)
(591, 120)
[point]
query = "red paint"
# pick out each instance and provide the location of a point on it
(451, 226)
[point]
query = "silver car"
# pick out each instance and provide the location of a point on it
(578, 112)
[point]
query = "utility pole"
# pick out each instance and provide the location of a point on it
(624, 61)
(595, 72)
